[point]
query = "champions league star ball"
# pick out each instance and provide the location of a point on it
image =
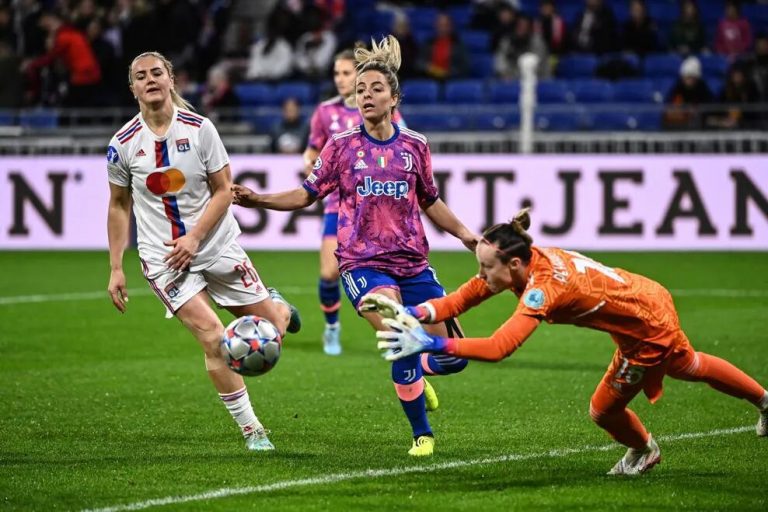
(251, 345)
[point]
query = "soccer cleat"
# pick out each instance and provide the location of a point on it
(294, 324)
(331, 342)
(762, 424)
(430, 397)
(257, 441)
(423, 446)
(636, 462)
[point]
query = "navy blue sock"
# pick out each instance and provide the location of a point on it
(442, 364)
(330, 299)
(406, 375)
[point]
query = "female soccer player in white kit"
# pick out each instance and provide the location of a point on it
(171, 163)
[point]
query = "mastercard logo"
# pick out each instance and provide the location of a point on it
(160, 183)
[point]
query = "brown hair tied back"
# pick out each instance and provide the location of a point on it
(511, 239)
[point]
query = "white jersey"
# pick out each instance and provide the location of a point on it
(168, 178)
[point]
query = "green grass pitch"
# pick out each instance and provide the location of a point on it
(105, 410)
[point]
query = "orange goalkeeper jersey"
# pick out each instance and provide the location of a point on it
(566, 287)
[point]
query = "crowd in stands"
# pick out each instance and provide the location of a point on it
(229, 53)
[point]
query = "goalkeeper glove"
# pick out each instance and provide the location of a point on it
(404, 340)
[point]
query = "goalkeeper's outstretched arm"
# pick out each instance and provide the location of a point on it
(467, 296)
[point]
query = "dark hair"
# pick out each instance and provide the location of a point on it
(511, 239)
(383, 57)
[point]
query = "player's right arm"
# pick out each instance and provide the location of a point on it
(118, 222)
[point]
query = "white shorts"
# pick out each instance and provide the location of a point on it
(231, 281)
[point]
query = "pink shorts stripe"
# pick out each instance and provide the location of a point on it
(409, 392)
(425, 365)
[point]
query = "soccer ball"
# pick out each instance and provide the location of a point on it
(251, 345)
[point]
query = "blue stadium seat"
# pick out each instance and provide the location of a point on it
(610, 121)
(476, 41)
(646, 121)
(591, 91)
(254, 94)
(261, 123)
(420, 91)
(435, 122)
(661, 88)
(39, 119)
(634, 91)
(661, 65)
(664, 12)
(577, 66)
(490, 121)
(710, 12)
(553, 91)
(302, 91)
(570, 13)
(461, 16)
(7, 118)
(421, 18)
(504, 92)
(713, 65)
(757, 14)
(560, 121)
(715, 85)
(481, 65)
(464, 91)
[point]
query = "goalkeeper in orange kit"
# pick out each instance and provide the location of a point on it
(565, 287)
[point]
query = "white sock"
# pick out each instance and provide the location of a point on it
(239, 406)
(763, 405)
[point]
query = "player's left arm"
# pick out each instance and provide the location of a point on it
(185, 247)
(403, 341)
(439, 213)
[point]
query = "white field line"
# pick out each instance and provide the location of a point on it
(303, 290)
(396, 471)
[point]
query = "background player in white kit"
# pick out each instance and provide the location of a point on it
(172, 165)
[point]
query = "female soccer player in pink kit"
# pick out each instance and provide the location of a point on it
(384, 175)
(333, 116)
(170, 163)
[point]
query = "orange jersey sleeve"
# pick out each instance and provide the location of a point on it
(501, 344)
(468, 295)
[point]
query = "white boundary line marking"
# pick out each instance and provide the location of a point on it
(226, 492)
(302, 290)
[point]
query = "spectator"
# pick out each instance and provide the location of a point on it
(524, 40)
(314, 49)
(180, 29)
(83, 14)
(70, 47)
(271, 57)
(33, 36)
(685, 97)
(506, 17)
(760, 66)
(409, 48)
(734, 34)
(551, 27)
(640, 35)
(687, 34)
(219, 94)
(289, 135)
(7, 32)
(739, 92)
(11, 92)
(444, 56)
(595, 29)
(485, 13)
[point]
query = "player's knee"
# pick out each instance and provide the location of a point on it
(598, 414)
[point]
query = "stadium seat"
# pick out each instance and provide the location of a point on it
(560, 121)
(713, 65)
(481, 65)
(7, 118)
(553, 91)
(634, 91)
(494, 121)
(464, 91)
(577, 66)
(661, 88)
(461, 16)
(436, 122)
(254, 94)
(757, 14)
(420, 91)
(591, 91)
(302, 91)
(504, 92)
(610, 121)
(261, 122)
(715, 85)
(646, 121)
(421, 18)
(662, 65)
(476, 41)
(41, 119)
(664, 12)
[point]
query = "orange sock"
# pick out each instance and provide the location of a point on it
(610, 412)
(724, 377)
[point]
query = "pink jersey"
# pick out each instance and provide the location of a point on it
(381, 184)
(332, 117)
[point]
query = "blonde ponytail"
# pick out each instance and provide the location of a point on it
(383, 57)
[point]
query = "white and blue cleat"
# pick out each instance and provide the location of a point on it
(331, 339)
(257, 441)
